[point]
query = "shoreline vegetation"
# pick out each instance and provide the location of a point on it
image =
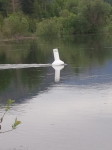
(27, 19)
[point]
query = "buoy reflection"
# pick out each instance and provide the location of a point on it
(57, 72)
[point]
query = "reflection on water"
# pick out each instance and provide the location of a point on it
(86, 56)
(57, 72)
(66, 107)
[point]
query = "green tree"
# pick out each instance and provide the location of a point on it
(94, 13)
(72, 5)
(15, 24)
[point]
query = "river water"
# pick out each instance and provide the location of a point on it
(61, 108)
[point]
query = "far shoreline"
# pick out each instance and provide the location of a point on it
(17, 38)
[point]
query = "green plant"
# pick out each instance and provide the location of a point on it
(15, 24)
(47, 27)
(7, 108)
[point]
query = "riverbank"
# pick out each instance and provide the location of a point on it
(17, 38)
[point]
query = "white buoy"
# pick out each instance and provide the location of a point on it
(57, 61)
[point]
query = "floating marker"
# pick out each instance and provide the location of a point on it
(57, 61)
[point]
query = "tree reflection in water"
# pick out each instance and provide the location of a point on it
(80, 52)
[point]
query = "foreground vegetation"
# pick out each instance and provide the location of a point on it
(54, 17)
(6, 109)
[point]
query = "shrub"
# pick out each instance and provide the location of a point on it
(67, 22)
(48, 27)
(108, 28)
(58, 25)
(32, 25)
(15, 24)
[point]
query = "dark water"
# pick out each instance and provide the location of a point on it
(60, 108)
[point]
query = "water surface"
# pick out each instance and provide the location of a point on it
(60, 108)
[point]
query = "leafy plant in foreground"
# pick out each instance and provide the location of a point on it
(7, 108)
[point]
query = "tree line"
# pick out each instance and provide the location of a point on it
(55, 17)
